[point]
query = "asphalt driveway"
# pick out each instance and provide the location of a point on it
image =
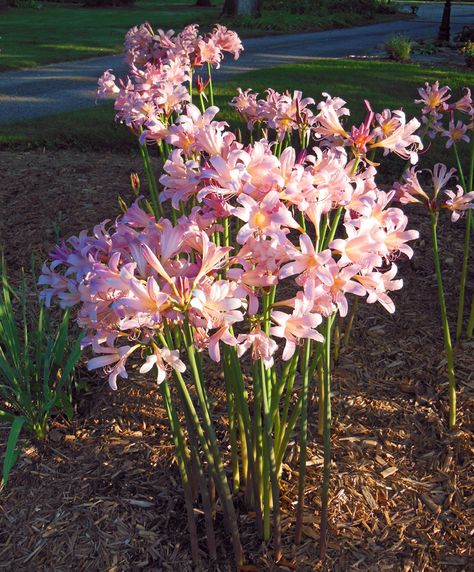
(71, 85)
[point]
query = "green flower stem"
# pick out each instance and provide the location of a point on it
(332, 231)
(289, 369)
(337, 338)
(154, 194)
(183, 463)
(167, 340)
(470, 324)
(270, 450)
(350, 322)
(211, 89)
(471, 168)
(220, 477)
(303, 442)
(262, 446)
(201, 102)
(286, 405)
(463, 280)
(204, 490)
(444, 319)
(460, 169)
(243, 408)
(326, 437)
(226, 236)
(232, 415)
(286, 435)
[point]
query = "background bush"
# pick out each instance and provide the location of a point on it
(398, 48)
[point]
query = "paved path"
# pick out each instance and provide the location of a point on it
(71, 85)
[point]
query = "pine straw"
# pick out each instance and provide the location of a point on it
(104, 493)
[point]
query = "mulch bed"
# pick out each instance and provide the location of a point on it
(104, 493)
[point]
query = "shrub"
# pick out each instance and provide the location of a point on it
(398, 48)
(468, 51)
(36, 366)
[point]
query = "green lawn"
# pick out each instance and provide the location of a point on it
(32, 37)
(385, 84)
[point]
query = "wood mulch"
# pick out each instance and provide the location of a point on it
(104, 493)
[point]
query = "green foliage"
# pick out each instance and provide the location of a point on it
(107, 3)
(468, 51)
(398, 48)
(36, 367)
(70, 31)
(308, 7)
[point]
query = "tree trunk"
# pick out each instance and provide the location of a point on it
(242, 8)
(203, 3)
(444, 29)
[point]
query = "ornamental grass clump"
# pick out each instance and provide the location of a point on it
(37, 363)
(398, 48)
(263, 246)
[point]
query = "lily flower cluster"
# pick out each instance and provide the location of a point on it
(411, 190)
(265, 244)
(161, 67)
(286, 113)
(453, 120)
(142, 274)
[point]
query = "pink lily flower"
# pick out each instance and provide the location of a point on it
(458, 202)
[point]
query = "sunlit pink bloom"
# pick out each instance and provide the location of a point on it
(458, 202)
(213, 140)
(155, 130)
(338, 282)
(137, 217)
(181, 178)
(328, 121)
(455, 133)
(208, 52)
(117, 356)
(145, 298)
(106, 85)
(64, 288)
(291, 112)
(396, 236)
(265, 217)
(262, 346)
(402, 141)
(155, 263)
(377, 284)
(138, 44)
(433, 97)
(224, 176)
(163, 359)
(362, 245)
(441, 175)
(212, 257)
(298, 325)
(246, 104)
(165, 39)
(411, 189)
(216, 305)
(306, 260)
(183, 132)
(464, 105)
(170, 97)
(222, 335)
(227, 40)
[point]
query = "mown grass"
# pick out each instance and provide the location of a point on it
(385, 84)
(31, 37)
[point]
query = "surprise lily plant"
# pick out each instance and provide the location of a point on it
(263, 246)
(446, 189)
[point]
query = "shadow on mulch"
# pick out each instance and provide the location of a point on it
(104, 493)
